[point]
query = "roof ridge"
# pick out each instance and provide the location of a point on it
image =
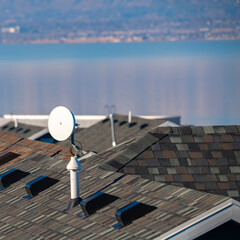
(135, 148)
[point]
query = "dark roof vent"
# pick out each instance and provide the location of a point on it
(19, 129)
(38, 185)
(7, 157)
(26, 130)
(131, 212)
(4, 127)
(105, 120)
(142, 126)
(11, 128)
(96, 201)
(131, 124)
(122, 123)
(10, 177)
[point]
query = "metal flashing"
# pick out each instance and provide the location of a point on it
(205, 222)
(39, 134)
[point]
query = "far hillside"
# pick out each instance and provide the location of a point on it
(35, 21)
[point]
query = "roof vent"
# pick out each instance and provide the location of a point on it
(11, 128)
(19, 129)
(10, 177)
(38, 185)
(105, 120)
(122, 123)
(131, 212)
(96, 201)
(131, 124)
(4, 127)
(26, 131)
(7, 157)
(142, 126)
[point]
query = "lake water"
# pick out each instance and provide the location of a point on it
(199, 81)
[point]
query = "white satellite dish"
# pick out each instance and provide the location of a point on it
(61, 123)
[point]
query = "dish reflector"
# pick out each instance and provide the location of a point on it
(61, 123)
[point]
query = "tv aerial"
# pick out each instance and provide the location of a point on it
(61, 125)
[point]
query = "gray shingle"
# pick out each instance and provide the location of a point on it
(153, 170)
(182, 147)
(219, 129)
(214, 170)
(171, 170)
(203, 174)
(174, 162)
(233, 193)
(208, 130)
(175, 139)
(235, 169)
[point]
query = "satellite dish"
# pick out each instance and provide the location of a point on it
(61, 123)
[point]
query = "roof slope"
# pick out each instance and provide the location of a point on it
(99, 138)
(22, 130)
(42, 216)
(201, 158)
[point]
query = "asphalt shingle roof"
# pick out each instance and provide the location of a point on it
(201, 158)
(41, 217)
(22, 130)
(99, 138)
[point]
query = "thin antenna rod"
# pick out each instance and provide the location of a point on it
(113, 109)
(106, 109)
(114, 143)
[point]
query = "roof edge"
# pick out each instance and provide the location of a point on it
(226, 211)
(39, 134)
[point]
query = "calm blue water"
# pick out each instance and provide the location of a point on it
(198, 80)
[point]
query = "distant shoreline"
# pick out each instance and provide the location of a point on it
(114, 41)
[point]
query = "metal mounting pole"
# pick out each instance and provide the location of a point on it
(129, 117)
(74, 166)
(114, 143)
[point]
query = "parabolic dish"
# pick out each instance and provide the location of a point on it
(61, 123)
